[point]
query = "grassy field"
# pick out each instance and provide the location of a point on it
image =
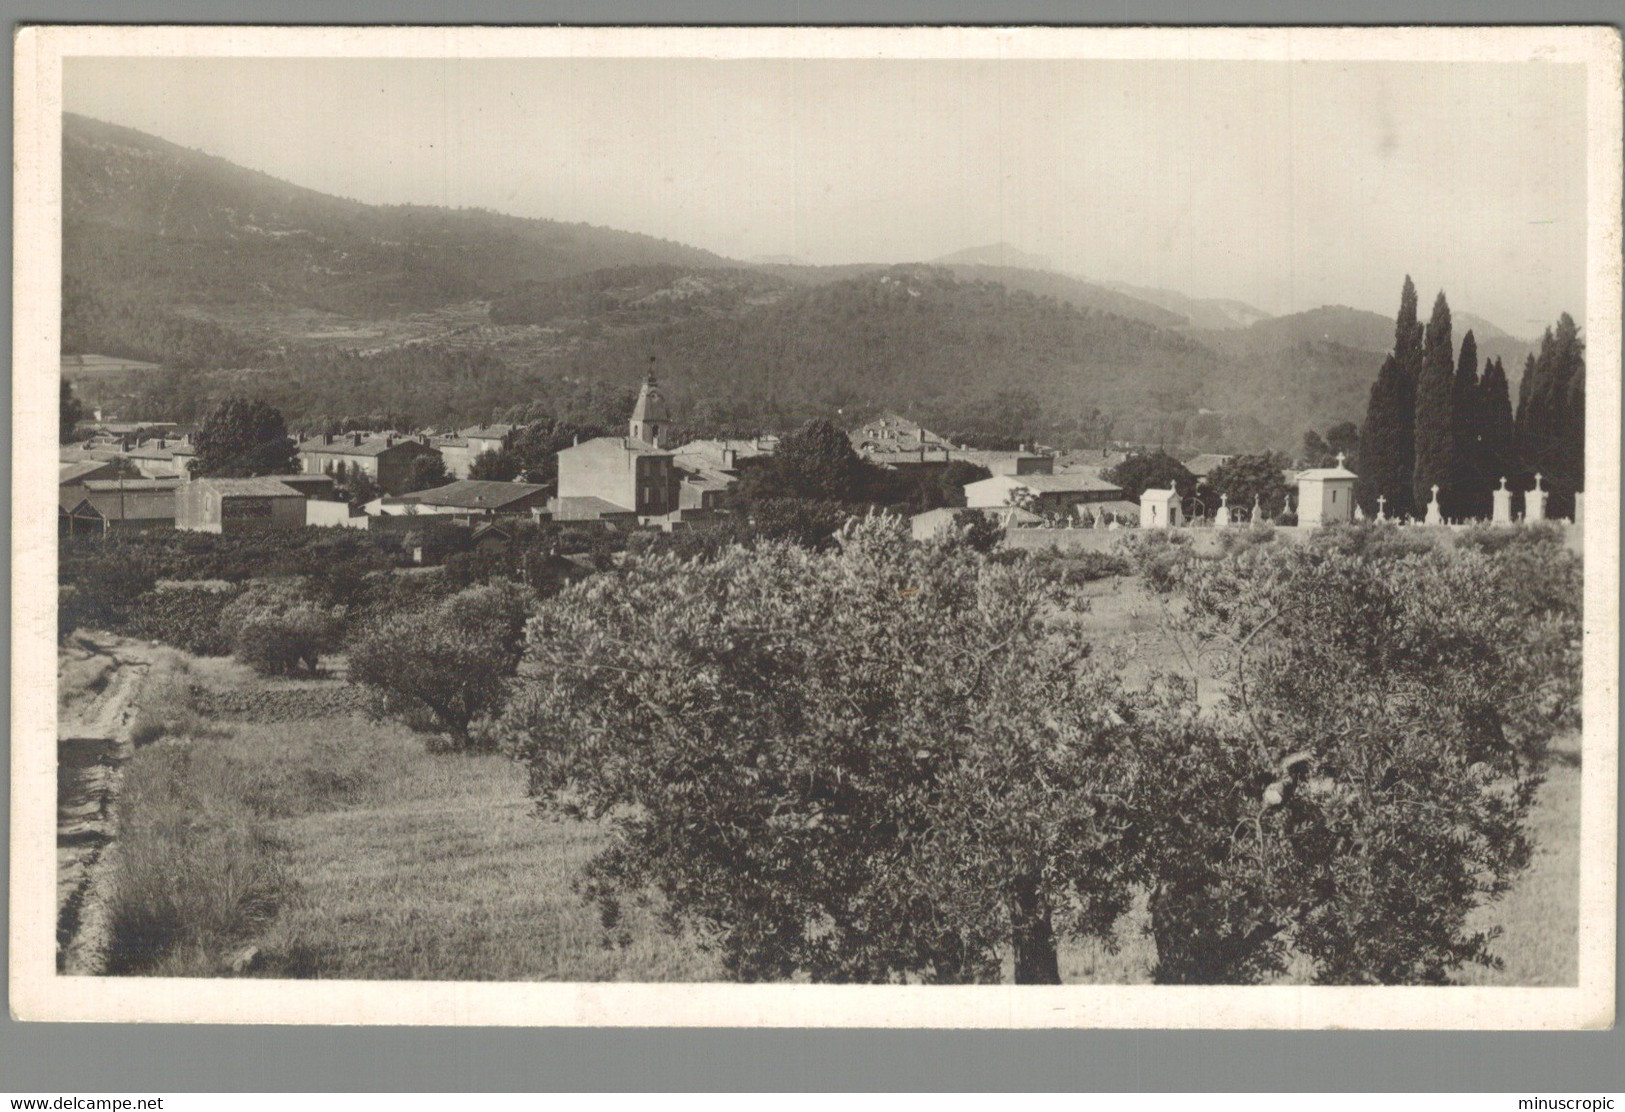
(338, 847)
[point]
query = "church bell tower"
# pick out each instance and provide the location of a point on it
(650, 417)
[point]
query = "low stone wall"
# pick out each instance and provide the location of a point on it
(280, 704)
(1206, 540)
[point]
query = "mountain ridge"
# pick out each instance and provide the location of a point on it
(183, 258)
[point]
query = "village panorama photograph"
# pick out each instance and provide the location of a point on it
(822, 521)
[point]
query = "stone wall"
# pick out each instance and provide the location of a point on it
(1206, 540)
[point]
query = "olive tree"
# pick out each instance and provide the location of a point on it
(884, 762)
(1367, 782)
(446, 664)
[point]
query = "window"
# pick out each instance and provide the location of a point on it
(1334, 497)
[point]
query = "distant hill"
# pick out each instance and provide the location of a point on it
(148, 221)
(1329, 324)
(1198, 312)
(1357, 330)
(1316, 367)
(331, 307)
(628, 296)
(1071, 291)
(994, 254)
(903, 336)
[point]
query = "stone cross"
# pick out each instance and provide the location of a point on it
(1537, 480)
(1340, 459)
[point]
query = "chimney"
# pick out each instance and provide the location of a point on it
(730, 458)
(389, 440)
(327, 438)
(355, 439)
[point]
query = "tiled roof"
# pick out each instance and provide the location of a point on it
(1325, 473)
(346, 446)
(705, 477)
(262, 487)
(712, 450)
(133, 505)
(102, 486)
(471, 494)
(75, 454)
(624, 443)
(71, 472)
(587, 506)
(1064, 483)
(162, 453)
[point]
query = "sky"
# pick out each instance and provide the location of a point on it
(1287, 185)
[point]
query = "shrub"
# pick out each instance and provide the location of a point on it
(1541, 536)
(1157, 555)
(1371, 541)
(277, 631)
(1074, 569)
(97, 590)
(980, 531)
(187, 616)
(1234, 540)
(448, 663)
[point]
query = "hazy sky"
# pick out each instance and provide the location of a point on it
(1287, 185)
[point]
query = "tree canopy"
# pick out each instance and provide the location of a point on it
(243, 438)
(1143, 470)
(1244, 479)
(887, 761)
(424, 473)
(1322, 451)
(816, 462)
(890, 761)
(70, 413)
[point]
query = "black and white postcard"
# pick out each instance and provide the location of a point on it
(932, 527)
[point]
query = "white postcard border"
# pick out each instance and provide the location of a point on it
(39, 993)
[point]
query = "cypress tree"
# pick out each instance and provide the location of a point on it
(1435, 432)
(1572, 436)
(1408, 332)
(1386, 443)
(1387, 439)
(1525, 385)
(1470, 496)
(1495, 425)
(1551, 426)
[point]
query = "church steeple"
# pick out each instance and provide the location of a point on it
(650, 417)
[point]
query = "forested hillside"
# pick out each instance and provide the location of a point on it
(237, 282)
(155, 234)
(913, 335)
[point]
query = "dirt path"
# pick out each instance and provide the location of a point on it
(100, 678)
